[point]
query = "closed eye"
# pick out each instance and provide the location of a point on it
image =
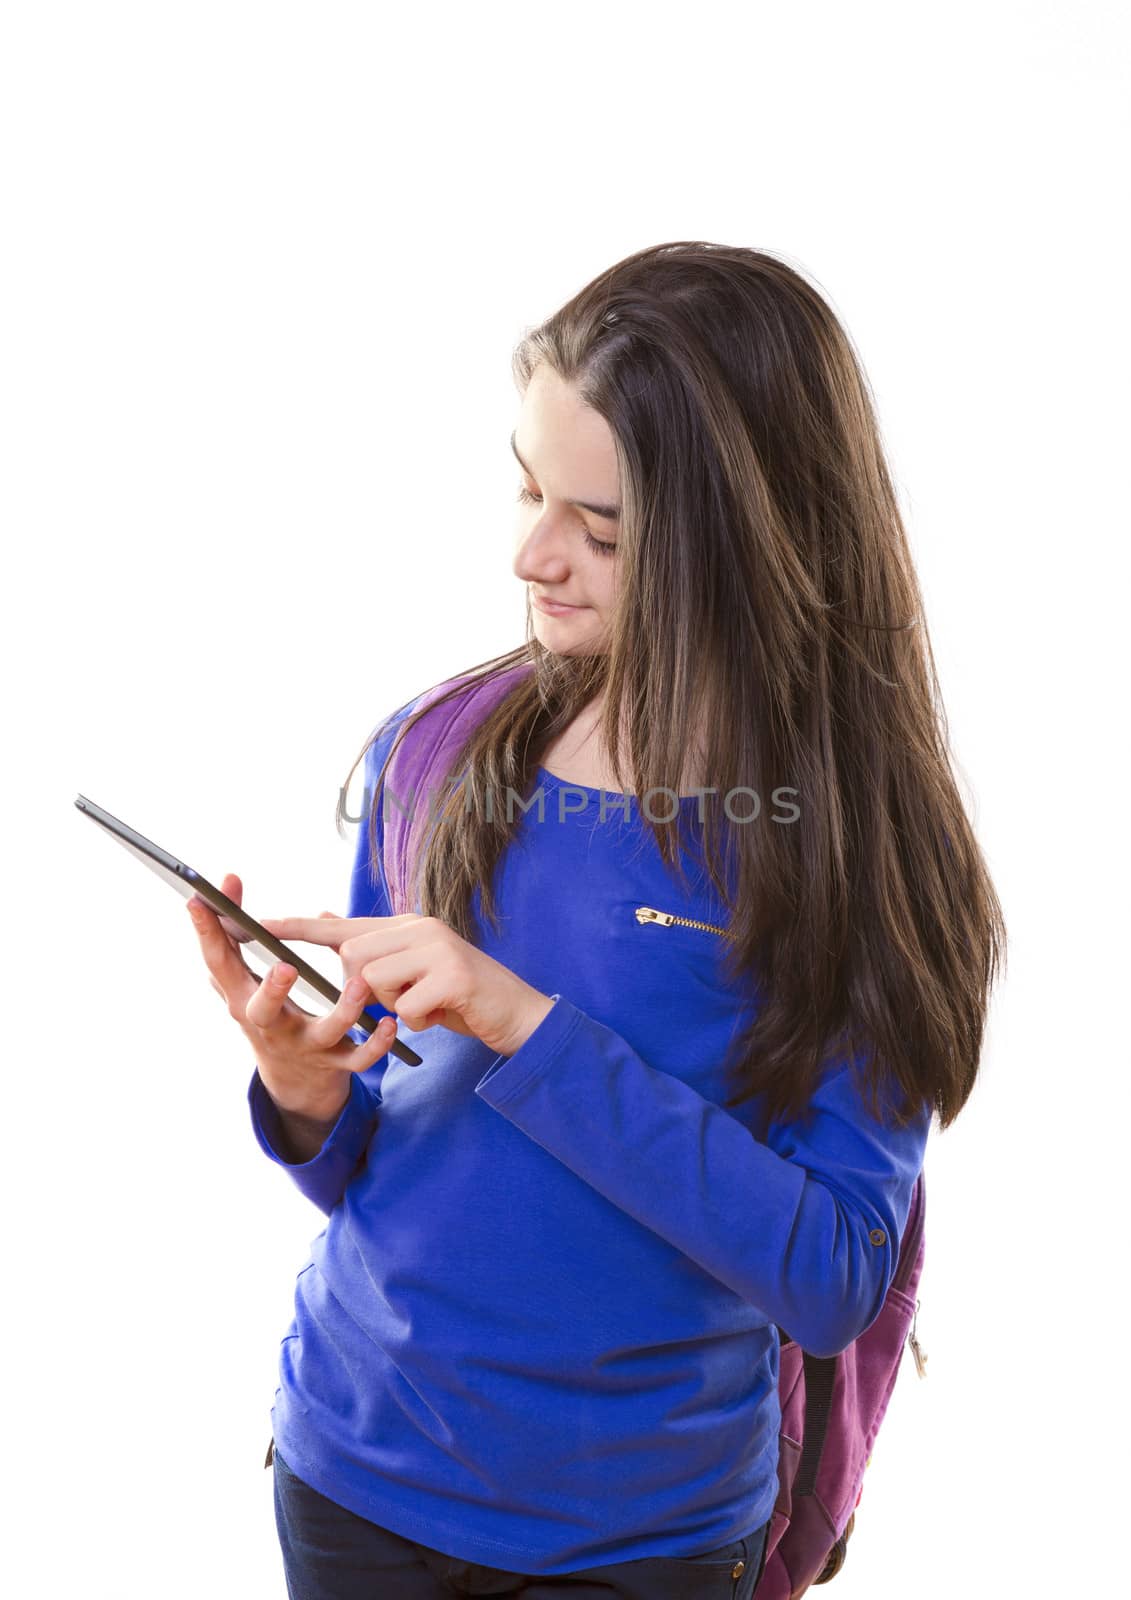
(601, 546)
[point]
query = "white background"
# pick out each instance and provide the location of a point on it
(264, 267)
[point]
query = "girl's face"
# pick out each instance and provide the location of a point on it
(568, 514)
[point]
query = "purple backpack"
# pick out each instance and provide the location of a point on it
(831, 1407)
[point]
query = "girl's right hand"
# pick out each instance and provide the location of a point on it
(304, 1061)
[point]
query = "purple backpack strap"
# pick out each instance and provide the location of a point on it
(420, 765)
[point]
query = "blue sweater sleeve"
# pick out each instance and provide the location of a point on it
(323, 1179)
(805, 1226)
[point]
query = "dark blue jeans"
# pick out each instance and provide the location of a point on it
(330, 1553)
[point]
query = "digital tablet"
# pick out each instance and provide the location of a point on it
(253, 939)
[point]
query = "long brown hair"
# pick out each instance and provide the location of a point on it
(768, 613)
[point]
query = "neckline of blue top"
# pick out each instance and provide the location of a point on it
(610, 794)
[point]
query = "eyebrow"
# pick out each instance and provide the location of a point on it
(610, 513)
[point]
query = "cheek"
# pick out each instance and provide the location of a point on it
(604, 583)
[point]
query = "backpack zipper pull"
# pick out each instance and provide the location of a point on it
(916, 1349)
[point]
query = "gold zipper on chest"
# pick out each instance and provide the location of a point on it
(667, 918)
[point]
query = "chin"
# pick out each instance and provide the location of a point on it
(560, 638)
(576, 647)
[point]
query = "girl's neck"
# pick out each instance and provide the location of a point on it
(578, 754)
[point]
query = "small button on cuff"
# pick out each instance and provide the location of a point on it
(738, 1569)
(877, 1236)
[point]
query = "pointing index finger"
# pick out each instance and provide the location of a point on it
(309, 930)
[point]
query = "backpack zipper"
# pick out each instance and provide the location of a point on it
(916, 1348)
(667, 918)
(909, 1250)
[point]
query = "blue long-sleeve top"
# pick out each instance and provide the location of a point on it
(539, 1329)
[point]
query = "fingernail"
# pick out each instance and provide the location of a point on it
(284, 974)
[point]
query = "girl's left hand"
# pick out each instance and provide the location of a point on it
(421, 969)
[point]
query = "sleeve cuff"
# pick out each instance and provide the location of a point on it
(508, 1075)
(350, 1133)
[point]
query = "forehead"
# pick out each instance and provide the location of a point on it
(554, 409)
(563, 443)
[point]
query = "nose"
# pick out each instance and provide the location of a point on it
(541, 554)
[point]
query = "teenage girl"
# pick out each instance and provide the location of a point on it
(686, 1009)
